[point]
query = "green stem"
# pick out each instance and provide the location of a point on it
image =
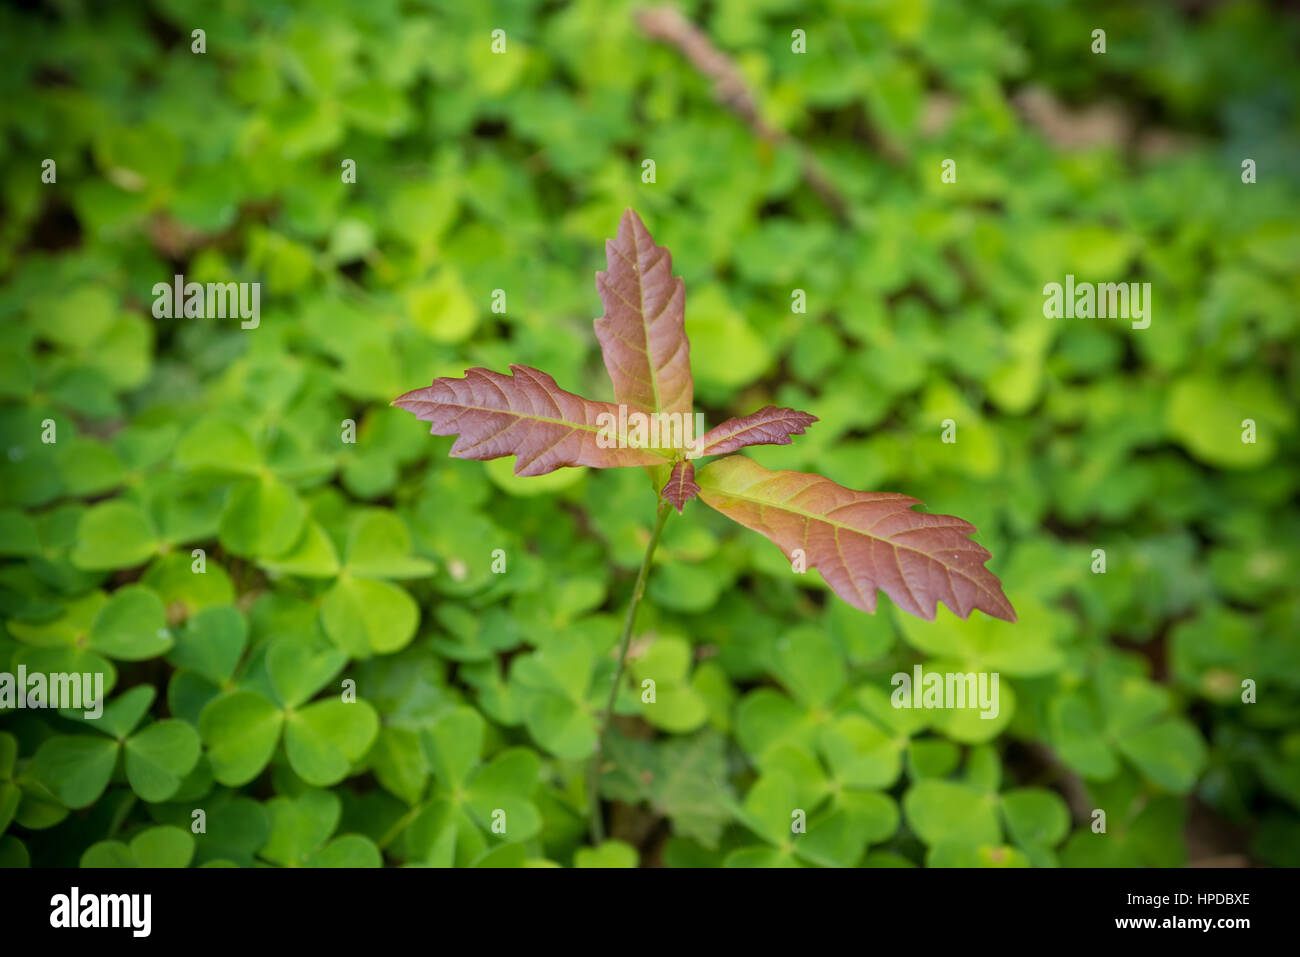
(593, 769)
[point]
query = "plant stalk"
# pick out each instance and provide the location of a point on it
(593, 769)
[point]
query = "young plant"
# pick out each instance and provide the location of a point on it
(860, 542)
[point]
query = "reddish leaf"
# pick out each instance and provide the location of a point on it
(643, 331)
(681, 487)
(768, 426)
(525, 414)
(860, 541)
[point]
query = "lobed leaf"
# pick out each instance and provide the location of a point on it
(860, 541)
(158, 758)
(770, 425)
(525, 414)
(680, 487)
(643, 331)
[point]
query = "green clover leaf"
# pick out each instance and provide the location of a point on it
(470, 799)
(363, 613)
(300, 834)
(156, 758)
(162, 846)
(323, 740)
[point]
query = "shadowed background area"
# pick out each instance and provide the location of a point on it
(234, 527)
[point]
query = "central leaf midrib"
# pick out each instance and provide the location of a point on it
(549, 421)
(810, 516)
(645, 326)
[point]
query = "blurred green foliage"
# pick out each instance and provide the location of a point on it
(327, 562)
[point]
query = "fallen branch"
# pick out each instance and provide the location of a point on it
(667, 25)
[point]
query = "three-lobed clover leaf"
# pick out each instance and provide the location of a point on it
(963, 821)
(364, 613)
(471, 799)
(262, 517)
(835, 835)
(322, 739)
(129, 625)
(76, 769)
(560, 696)
(211, 644)
(861, 542)
(1129, 716)
(677, 707)
(300, 829)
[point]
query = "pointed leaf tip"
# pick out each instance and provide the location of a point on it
(643, 331)
(680, 487)
(861, 542)
(770, 425)
(524, 414)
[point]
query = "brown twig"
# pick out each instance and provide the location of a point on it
(667, 25)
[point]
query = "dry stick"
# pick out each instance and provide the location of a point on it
(667, 25)
(594, 768)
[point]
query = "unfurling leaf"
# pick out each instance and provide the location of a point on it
(768, 426)
(525, 414)
(681, 487)
(643, 331)
(860, 541)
